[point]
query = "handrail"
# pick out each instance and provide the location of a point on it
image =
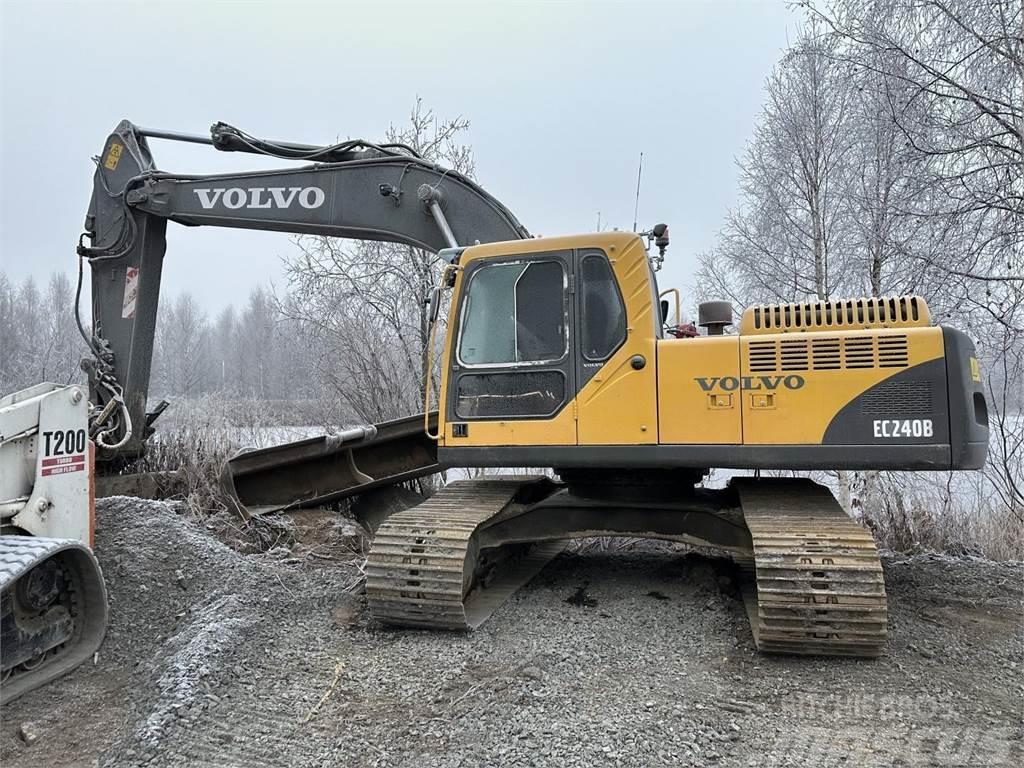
(678, 301)
(447, 275)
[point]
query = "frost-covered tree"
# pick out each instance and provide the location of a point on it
(364, 303)
(787, 237)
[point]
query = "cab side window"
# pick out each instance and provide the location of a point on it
(602, 314)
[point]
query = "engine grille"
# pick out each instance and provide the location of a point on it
(907, 398)
(839, 314)
(829, 353)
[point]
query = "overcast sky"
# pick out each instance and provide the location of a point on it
(562, 97)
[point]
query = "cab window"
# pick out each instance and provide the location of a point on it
(514, 314)
(517, 394)
(602, 315)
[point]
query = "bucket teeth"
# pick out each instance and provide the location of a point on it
(818, 587)
(422, 568)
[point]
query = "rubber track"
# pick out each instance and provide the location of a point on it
(819, 584)
(19, 555)
(422, 562)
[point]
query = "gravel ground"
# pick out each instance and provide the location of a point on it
(638, 658)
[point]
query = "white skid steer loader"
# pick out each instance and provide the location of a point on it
(53, 604)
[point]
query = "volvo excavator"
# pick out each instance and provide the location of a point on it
(556, 355)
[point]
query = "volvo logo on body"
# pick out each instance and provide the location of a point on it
(234, 198)
(732, 383)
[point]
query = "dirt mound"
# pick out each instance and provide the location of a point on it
(160, 569)
(183, 607)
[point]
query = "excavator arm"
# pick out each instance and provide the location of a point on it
(353, 189)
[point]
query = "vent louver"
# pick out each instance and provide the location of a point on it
(859, 352)
(909, 398)
(830, 353)
(840, 314)
(892, 351)
(826, 354)
(794, 354)
(763, 356)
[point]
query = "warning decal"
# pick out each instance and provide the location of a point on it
(61, 465)
(975, 369)
(113, 156)
(131, 292)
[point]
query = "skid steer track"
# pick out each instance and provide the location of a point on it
(426, 569)
(54, 610)
(819, 588)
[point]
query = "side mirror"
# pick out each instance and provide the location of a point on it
(435, 304)
(661, 237)
(664, 311)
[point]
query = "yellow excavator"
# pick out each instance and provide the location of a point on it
(557, 355)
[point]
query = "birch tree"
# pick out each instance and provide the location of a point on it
(955, 70)
(182, 349)
(783, 239)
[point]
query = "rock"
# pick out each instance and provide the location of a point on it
(739, 707)
(533, 673)
(28, 733)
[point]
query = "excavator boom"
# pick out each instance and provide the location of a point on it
(54, 607)
(355, 189)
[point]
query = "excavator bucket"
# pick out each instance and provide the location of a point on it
(321, 470)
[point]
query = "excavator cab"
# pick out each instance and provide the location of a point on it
(546, 338)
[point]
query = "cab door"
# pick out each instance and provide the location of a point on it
(616, 366)
(512, 375)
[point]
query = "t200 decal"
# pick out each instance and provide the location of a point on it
(64, 442)
(64, 451)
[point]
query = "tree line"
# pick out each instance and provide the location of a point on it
(39, 340)
(888, 159)
(255, 351)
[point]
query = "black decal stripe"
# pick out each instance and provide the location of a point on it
(918, 392)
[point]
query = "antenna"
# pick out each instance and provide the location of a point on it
(639, 173)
